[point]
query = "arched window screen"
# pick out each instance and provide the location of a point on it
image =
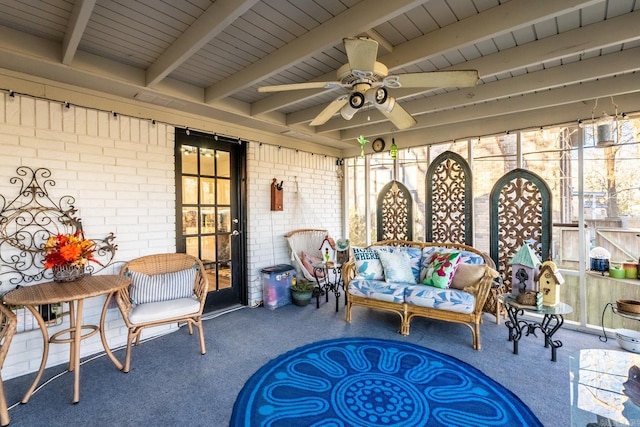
(449, 201)
(394, 212)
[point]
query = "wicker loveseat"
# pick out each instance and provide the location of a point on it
(460, 302)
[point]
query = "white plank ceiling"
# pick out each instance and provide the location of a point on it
(209, 57)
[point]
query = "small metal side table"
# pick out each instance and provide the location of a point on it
(551, 322)
(328, 279)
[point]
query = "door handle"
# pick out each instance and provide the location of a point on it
(235, 233)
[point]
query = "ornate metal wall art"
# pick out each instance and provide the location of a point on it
(28, 220)
(394, 212)
(520, 204)
(449, 200)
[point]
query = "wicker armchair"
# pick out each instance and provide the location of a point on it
(8, 324)
(144, 304)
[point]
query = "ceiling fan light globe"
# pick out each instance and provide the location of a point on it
(356, 100)
(347, 112)
(388, 105)
(376, 95)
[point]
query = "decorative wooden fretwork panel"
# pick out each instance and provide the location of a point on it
(395, 212)
(520, 204)
(449, 201)
(28, 220)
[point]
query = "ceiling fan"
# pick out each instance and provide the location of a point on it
(369, 80)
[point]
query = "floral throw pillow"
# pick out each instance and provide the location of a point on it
(397, 267)
(441, 269)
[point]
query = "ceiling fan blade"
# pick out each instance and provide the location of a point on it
(439, 79)
(331, 109)
(361, 52)
(398, 115)
(297, 86)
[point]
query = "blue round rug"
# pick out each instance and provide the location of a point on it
(371, 382)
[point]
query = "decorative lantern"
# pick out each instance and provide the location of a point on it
(393, 151)
(605, 129)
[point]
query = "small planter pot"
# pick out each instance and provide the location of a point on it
(301, 298)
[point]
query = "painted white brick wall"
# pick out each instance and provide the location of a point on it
(121, 173)
(312, 194)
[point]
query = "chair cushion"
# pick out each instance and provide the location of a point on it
(443, 299)
(397, 267)
(145, 288)
(153, 311)
(308, 261)
(378, 290)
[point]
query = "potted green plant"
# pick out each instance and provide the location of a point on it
(301, 292)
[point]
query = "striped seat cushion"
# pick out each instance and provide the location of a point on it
(161, 287)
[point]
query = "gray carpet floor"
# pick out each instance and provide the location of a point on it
(172, 384)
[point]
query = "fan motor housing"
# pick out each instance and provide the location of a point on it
(350, 77)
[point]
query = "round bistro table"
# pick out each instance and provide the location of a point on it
(74, 293)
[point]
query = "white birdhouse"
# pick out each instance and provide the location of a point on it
(550, 280)
(328, 249)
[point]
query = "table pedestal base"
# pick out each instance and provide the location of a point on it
(330, 282)
(549, 326)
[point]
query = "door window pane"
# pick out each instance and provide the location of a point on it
(207, 160)
(208, 248)
(224, 221)
(224, 192)
(192, 246)
(190, 221)
(223, 164)
(208, 220)
(208, 196)
(189, 190)
(189, 159)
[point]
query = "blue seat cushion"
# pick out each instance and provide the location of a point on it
(378, 290)
(443, 299)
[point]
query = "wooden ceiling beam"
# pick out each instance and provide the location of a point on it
(212, 22)
(80, 15)
(356, 19)
(498, 20)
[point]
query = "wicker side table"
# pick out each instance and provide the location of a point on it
(73, 293)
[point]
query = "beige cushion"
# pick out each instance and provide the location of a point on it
(154, 311)
(467, 275)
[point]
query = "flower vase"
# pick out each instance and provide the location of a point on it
(67, 273)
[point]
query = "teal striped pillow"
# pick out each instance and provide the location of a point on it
(146, 288)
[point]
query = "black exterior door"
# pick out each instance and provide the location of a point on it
(211, 217)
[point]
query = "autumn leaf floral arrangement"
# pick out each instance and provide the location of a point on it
(65, 251)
